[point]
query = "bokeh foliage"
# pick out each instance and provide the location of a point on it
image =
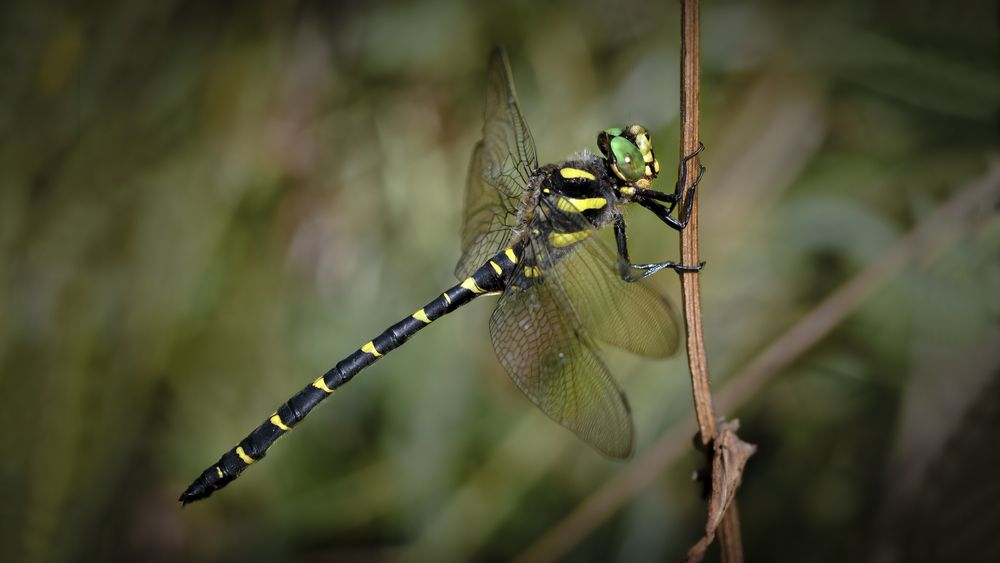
(204, 205)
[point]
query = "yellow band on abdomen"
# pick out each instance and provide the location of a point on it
(276, 420)
(320, 383)
(243, 455)
(369, 348)
(471, 285)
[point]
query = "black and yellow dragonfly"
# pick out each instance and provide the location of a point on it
(529, 237)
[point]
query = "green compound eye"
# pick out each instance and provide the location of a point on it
(614, 131)
(628, 159)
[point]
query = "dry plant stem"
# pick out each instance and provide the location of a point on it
(690, 286)
(730, 540)
(729, 535)
(936, 233)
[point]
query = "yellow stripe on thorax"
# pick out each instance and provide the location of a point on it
(571, 173)
(276, 420)
(578, 205)
(421, 316)
(560, 240)
(369, 348)
(219, 471)
(496, 267)
(511, 255)
(243, 455)
(320, 384)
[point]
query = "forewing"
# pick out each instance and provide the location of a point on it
(546, 351)
(501, 167)
(490, 217)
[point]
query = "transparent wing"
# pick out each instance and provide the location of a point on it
(490, 217)
(542, 345)
(557, 303)
(502, 164)
(633, 316)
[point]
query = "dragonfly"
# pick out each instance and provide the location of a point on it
(529, 236)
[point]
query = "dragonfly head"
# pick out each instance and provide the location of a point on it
(629, 152)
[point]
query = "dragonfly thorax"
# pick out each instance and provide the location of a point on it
(581, 187)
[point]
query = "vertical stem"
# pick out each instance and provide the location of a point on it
(690, 286)
(730, 538)
(729, 530)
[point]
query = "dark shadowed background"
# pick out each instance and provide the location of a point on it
(203, 206)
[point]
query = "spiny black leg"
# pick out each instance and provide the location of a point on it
(621, 238)
(682, 179)
(635, 272)
(697, 151)
(664, 213)
(690, 194)
(658, 196)
(675, 198)
(642, 271)
(672, 198)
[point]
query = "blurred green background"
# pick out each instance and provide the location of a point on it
(205, 205)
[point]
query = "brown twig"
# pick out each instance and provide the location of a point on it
(935, 234)
(723, 492)
(690, 287)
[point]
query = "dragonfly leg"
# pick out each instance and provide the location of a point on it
(637, 272)
(682, 180)
(649, 198)
(621, 238)
(663, 213)
(643, 193)
(674, 198)
(634, 272)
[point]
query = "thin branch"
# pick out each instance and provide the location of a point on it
(690, 286)
(935, 234)
(723, 492)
